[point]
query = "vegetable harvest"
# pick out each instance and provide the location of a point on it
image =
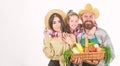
(92, 47)
(75, 50)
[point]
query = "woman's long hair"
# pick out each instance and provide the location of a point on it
(63, 28)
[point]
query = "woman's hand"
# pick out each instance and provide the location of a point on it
(46, 33)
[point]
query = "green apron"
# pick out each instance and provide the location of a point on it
(93, 40)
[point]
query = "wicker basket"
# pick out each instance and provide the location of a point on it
(88, 55)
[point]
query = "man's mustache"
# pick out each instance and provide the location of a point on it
(88, 21)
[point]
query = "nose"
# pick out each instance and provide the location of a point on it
(88, 18)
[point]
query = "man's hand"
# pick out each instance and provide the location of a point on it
(92, 31)
(93, 62)
(77, 61)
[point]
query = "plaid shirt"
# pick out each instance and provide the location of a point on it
(78, 30)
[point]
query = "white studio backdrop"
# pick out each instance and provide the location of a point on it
(22, 25)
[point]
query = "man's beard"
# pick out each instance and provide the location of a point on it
(87, 25)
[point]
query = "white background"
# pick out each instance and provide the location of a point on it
(22, 25)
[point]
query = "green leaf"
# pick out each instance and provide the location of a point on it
(67, 55)
(90, 44)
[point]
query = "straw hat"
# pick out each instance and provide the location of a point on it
(89, 8)
(50, 13)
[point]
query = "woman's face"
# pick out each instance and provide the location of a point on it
(73, 22)
(56, 24)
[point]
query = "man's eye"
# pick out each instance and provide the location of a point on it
(91, 16)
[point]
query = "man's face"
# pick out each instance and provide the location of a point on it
(88, 20)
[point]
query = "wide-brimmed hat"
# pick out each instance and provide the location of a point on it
(89, 8)
(58, 11)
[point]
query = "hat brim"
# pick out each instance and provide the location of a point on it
(94, 11)
(50, 13)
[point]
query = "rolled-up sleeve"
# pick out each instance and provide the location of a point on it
(48, 49)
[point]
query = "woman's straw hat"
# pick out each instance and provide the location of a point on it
(58, 11)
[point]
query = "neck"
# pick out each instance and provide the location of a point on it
(71, 30)
(87, 31)
(58, 31)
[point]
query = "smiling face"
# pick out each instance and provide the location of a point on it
(73, 22)
(88, 20)
(56, 23)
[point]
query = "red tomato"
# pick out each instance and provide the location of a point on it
(92, 49)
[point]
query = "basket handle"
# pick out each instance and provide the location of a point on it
(86, 44)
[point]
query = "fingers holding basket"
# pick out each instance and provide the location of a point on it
(77, 61)
(93, 62)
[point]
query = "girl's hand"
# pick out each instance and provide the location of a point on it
(92, 31)
(67, 38)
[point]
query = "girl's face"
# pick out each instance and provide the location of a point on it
(73, 22)
(56, 24)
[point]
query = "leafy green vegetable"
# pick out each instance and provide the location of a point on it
(90, 44)
(108, 54)
(67, 55)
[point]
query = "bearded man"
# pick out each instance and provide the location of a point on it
(88, 16)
